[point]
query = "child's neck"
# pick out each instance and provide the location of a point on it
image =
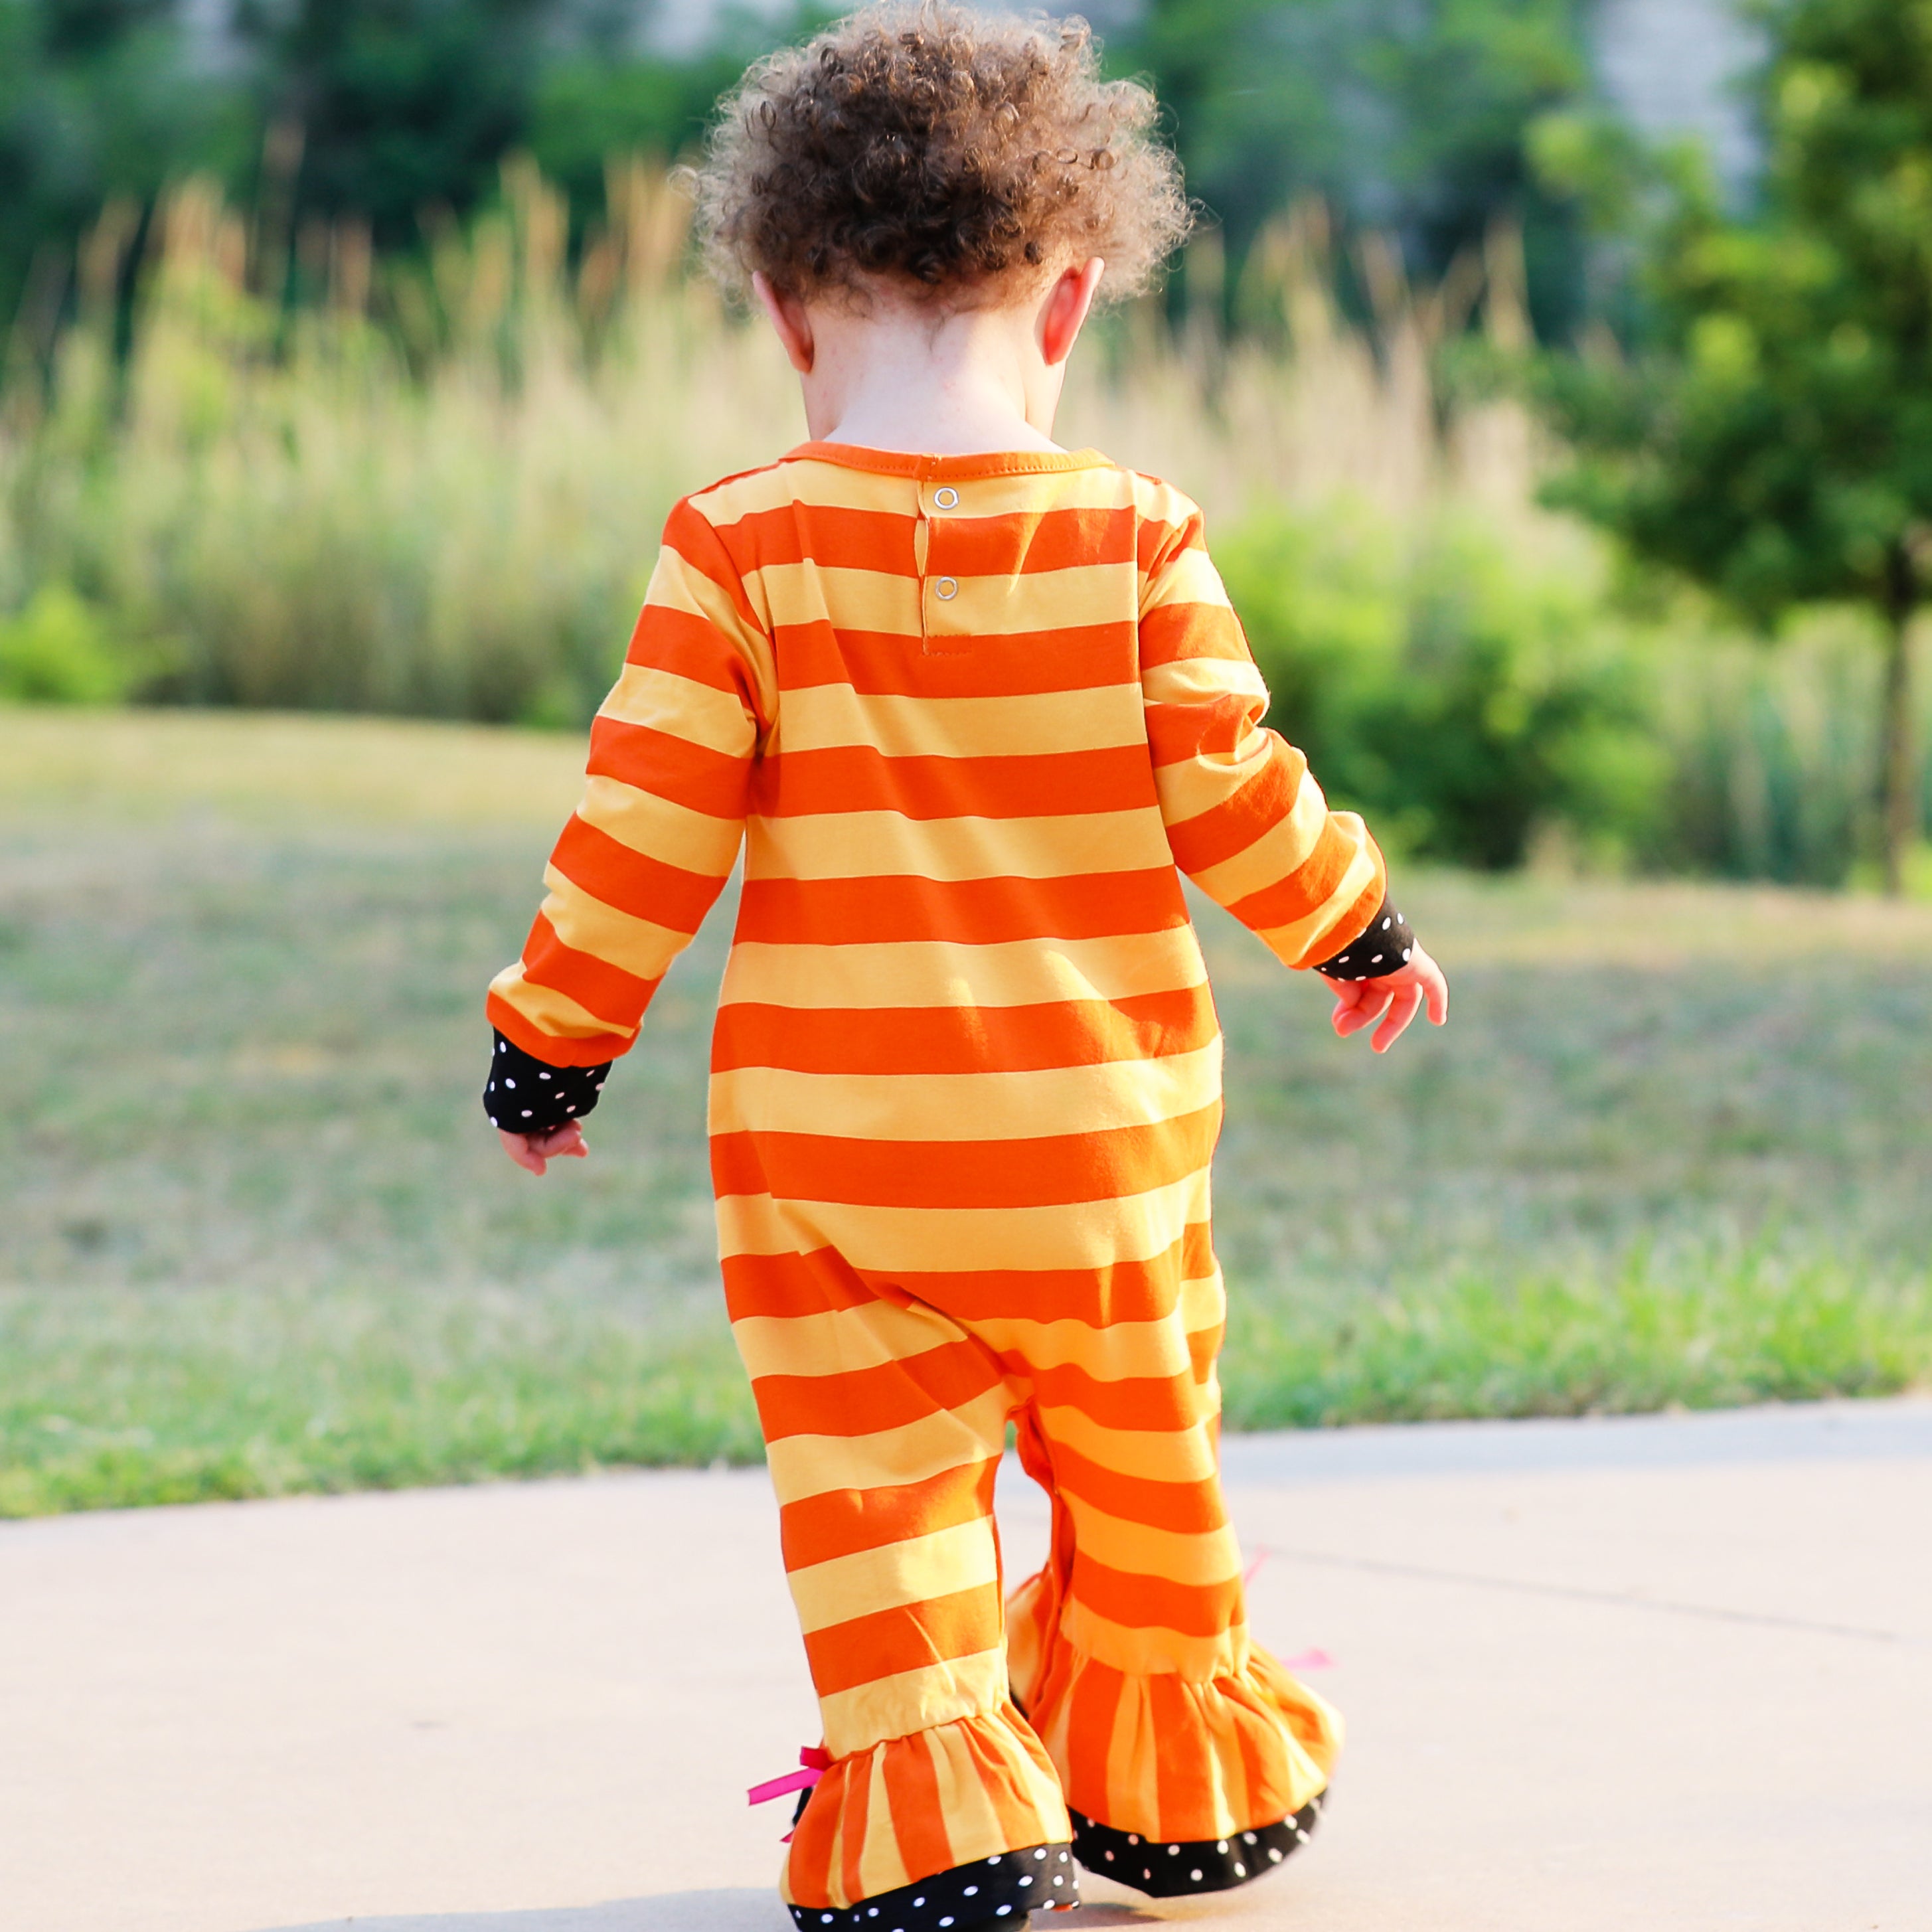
(899, 375)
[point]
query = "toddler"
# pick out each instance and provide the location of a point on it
(966, 700)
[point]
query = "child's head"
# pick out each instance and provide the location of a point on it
(941, 155)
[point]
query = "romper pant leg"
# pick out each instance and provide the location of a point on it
(1175, 1735)
(884, 1421)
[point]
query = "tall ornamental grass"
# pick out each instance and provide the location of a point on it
(438, 493)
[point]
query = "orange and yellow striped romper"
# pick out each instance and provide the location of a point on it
(967, 716)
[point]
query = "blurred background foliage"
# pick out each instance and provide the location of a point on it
(356, 360)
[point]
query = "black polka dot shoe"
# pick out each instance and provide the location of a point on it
(995, 1893)
(1164, 1870)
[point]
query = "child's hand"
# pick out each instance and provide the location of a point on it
(536, 1151)
(1395, 999)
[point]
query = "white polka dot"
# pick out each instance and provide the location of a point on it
(1196, 1876)
(1249, 1836)
(526, 1113)
(971, 1891)
(1041, 1853)
(1274, 1856)
(1240, 1871)
(1222, 1846)
(492, 1119)
(1174, 1851)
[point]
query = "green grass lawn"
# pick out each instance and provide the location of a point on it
(1675, 1146)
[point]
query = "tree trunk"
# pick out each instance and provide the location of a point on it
(1899, 731)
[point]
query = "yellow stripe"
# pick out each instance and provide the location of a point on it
(677, 585)
(1199, 1557)
(961, 1437)
(1062, 1100)
(837, 1341)
(798, 594)
(1304, 941)
(660, 828)
(1189, 578)
(818, 717)
(913, 1700)
(881, 1867)
(937, 1564)
(887, 845)
(552, 1012)
(1042, 600)
(587, 925)
(891, 1240)
(1157, 1455)
(920, 972)
(1151, 1649)
(662, 701)
(1203, 681)
(1198, 784)
(1276, 855)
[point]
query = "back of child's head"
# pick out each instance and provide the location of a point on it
(954, 156)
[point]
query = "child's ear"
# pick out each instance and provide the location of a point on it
(1066, 309)
(789, 321)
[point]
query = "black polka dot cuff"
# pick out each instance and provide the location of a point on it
(1164, 1870)
(995, 1892)
(1385, 948)
(525, 1095)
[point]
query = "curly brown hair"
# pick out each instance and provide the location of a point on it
(934, 147)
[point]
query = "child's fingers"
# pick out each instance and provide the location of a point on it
(518, 1147)
(1403, 1008)
(1357, 1004)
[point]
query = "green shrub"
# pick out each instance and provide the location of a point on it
(57, 651)
(1463, 693)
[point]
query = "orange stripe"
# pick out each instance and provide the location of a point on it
(793, 1284)
(862, 1401)
(633, 881)
(681, 642)
(1053, 1171)
(513, 1025)
(1173, 633)
(595, 984)
(1144, 1291)
(1139, 1602)
(1191, 1508)
(859, 778)
(962, 1039)
(883, 663)
(844, 1656)
(919, 1818)
(974, 912)
(668, 767)
(843, 1522)
(1236, 822)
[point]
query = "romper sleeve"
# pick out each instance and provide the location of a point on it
(1246, 820)
(652, 841)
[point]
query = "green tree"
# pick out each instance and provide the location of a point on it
(98, 98)
(1774, 441)
(403, 105)
(1414, 116)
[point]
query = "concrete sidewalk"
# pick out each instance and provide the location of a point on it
(1664, 1673)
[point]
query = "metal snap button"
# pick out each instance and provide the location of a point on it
(946, 589)
(947, 498)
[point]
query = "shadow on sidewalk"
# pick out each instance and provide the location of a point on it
(728, 1911)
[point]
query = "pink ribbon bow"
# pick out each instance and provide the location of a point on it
(817, 1763)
